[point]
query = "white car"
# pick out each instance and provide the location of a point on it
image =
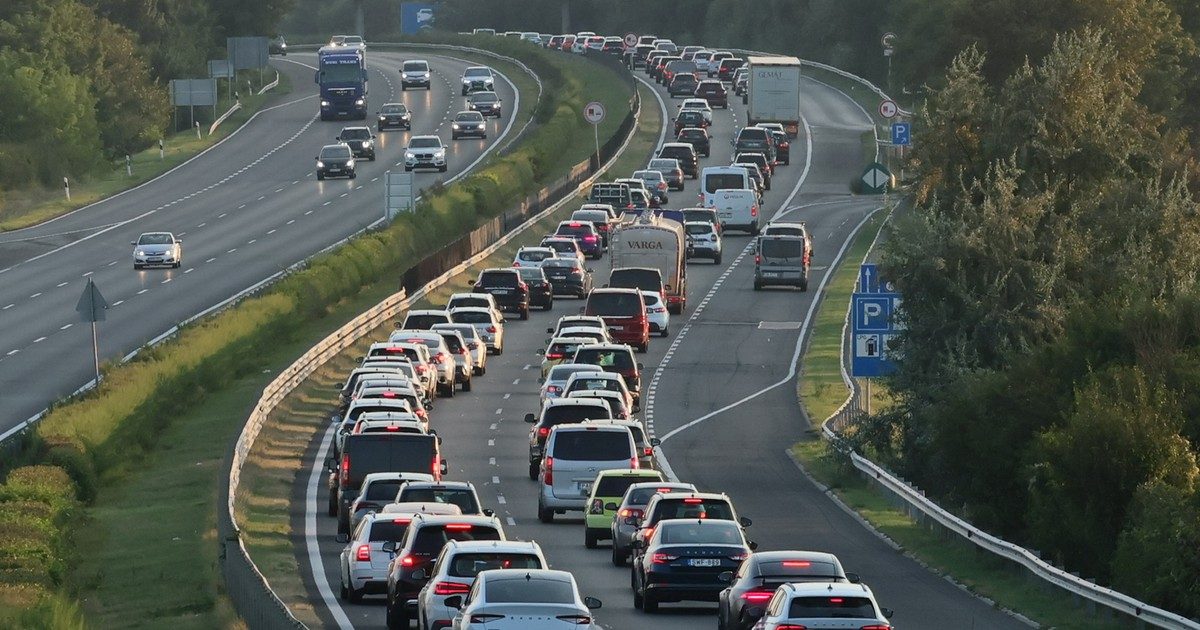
(440, 358)
(459, 563)
(523, 599)
(487, 322)
(476, 346)
(823, 605)
(700, 105)
(705, 240)
(564, 246)
(559, 350)
(596, 380)
(533, 256)
(364, 563)
(556, 380)
(656, 313)
(486, 300)
(425, 152)
(577, 321)
(157, 249)
(481, 76)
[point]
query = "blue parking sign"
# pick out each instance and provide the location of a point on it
(873, 328)
(902, 133)
(872, 313)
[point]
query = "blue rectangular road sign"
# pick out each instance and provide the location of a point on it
(901, 133)
(868, 278)
(872, 331)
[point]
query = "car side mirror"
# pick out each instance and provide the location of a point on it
(640, 366)
(134, 243)
(745, 521)
(888, 612)
(610, 506)
(489, 512)
(655, 441)
(853, 578)
(592, 603)
(390, 546)
(725, 576)
(752, 545)
(179, 241)
(454, 602)
(550, 330)
(343, 538)
(540, 353)
(338, 138)
(530, 419)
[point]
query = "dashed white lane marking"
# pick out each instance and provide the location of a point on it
(64, 327)
(374, 179)
(166, 281)
(34, 295)
(492, 461)
(261, 198)
(7, 307)
(211, 259)
(142, 291)
(500, 499)
(239, 207)
(310, 212)
(190, 270)
(12, 352)
(499, 411)
(271, 231)
(527, 366)
(343, 194)
(118, 302)
(231, 251)
(511, 521)
(507, 396)
(493, 426)
(291, 221)
(324, 204)
(278, 190)
(202, 224)
(112, 263)
(88, 274)
(295, 181)
(491, 442)
(222, 215)
(60, 285)
(39, 340)
(252, 241)
(516, 381)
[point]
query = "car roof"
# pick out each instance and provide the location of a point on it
(336, 145)
(499, 269)
(440, 484)
(422, 507)
(847, 589)
(628, 472)
(427, 311)
(608, 346)
(572, 402)
(473, 519)
(583, 426)
(665, 496)
(777, 556)
(677, 145)
(566, 367)
(392, 476)
(499, 546)
(615, 290)
(566, 339)
(470, 309)
(537, 248)
(425, 137)
(521, 574)
(486, 296)
(469, 113)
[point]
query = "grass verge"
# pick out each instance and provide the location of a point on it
(27, 207)
(270, 474)
(822, 391)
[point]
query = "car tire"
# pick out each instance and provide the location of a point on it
(642, 347)
(649, 603)
(320, 176)
(343, 523)
(524, 313)
(804, 285)
(590, 540)
(353, 595)
(483, 137)
(407, 169)
(717, 259)
(137, 266)
(353, 175)
(618, 557)
(758, 285)
(466, 385)
(533, 471)
(666, 332)
(333, 506)
(403, 87)
(499, 350)
(180, 264)
(544, 515)
(442, 169)
(397, 619)
(454, 136)
(754, 229)
(638, 601)
(478, 371)
(549, 305)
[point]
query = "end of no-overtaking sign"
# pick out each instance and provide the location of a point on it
(594, 112)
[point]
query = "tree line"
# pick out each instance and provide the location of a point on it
(86, 80)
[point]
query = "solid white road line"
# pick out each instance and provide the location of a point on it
(310, 534)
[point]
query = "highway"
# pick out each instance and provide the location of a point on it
(245, 209)
(720, 392)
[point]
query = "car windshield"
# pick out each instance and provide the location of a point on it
(614, 304)
(484, 97)
(482, 73)
(469, 117)
(695, 508)
(782, 248)
(616, 485)
(382, 490)
(335, 152)
(594, 446)
(470, 564)
(471, 317)
(425, 143)
(499, 278)
(620, 359)
(694, 533)
(698, 228)
(534, 255)
(832, 607)
(356, 133)
(462, 497)
(529, 591)
(156, 239)
(415, 66)
(562, 414)
(393, 109)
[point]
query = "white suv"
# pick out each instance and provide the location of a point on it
(425, 152)
(574, 454)
(817, 604)
(456, 568)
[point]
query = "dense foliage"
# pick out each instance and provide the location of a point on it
(85, 80)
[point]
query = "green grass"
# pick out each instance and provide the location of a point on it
(270, 473)
(26, 207)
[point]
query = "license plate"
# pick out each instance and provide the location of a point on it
(500, 291)
(724, 215)
(584, 487)
(770, 274)
(704, 562)
(614, 329)
(334, 169)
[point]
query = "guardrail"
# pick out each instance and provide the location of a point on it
(923, 510)
(247, 588)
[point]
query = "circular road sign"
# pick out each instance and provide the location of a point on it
(631, 40)
(888, 109)
(888, 40)
(594, 112)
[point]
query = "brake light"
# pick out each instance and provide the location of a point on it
(461, 350)
(836, 600)
(590, 238)
(491, 329)
(693, 501)
(345, 480)
(662, 558)
(555, 356)
(402, 521)
(757, 597)
(437, 466)
(794, 626)
(738, 557)
(421, 369)
(458, 527)
(633, 462)
(875, 627)
(392, 427)
(753, 211)
(576, 224)
(516, 263)
(579, 620)
(421, 412)
(439, 358)
(363, 554)
(407, 561)
(649, 450)
(543, 432)
(450, 588)
(522, 286)
(483, 617)
(803, 564)
(757, 259)
(628, 512)
(548, 477)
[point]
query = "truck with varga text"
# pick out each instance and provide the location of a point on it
(650, 241)
(773, 92)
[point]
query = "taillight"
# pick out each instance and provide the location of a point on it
(491, 329)
(407, 561)
(421, 413)
(662, 558)
(363, 554)
(522, 286)
(693, 501)
(450, 588)
(797, 563)
(753, 211)
(485, 617)
(738, 557)
(796, 626)
(649, 450)
(757, 597)
(633, 462)
(516, 263)
(590, 238)
(757, 259)
(458, 527)
(548, 477)
(543, 432)
(461, 350)
(870, 627)
(554, 356)
(437, 466)
(579, 620)
(553, 389)
(628, 512)
(345, 480)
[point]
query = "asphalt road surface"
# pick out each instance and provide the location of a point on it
(245, 209)
(730, 345)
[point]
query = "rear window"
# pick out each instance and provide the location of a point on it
(453, 342)
(462, 497)
(470, 564)
(642, 279)
(615, 486)
(586, 384)
(702, 228)
(534, 255)
(562, 247)
(781, 248)
(560, 263)
(472, 317)
(382, 490)
(532, 274)
(432, 538)
(596, 216)
(802, 569)
(388, 530)
(784, 230)
(559, 350)
(614, 304)
(532, 591)
(692, 133)
(699, 215)
(679, 153)
(597, 446)
(579, 228)
(722, 181)
(469, 301)
(498, 279)
(562, 373)
(696, 533)
(641, 496)
(566, 414)
(424, 321)
(619, 359)
(752, 133)
(699, 508)
(832, 607)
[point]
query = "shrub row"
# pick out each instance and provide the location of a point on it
(99, 437)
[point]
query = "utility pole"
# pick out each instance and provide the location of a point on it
(359, 20)
(566, 16)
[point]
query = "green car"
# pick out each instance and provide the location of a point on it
(607, 490)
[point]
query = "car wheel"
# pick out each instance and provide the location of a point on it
(533, 471)
(333, 507)
(320, 176)
(804, 285)
(642, 347)
(549, 305)
(136, 266)
(525, 313)
(466, 385)
(372, 158)
(483, 137)
(403, 87)
(758, 285)
(407, 169)
(442, 169)
(544, 515)
(353, 595)
(499, 350)
(666, 332)
(397, 619)
(589, 539)
(343, 524)
(483, 371)
(637, 596)
(618, 557)
(353, 175)
(477, 371)
(717, 259)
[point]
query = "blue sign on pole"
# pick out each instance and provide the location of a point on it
(901, 133)
(868, 278)
(873, 328)
(415, 17)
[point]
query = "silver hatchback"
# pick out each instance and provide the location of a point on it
(574, 454)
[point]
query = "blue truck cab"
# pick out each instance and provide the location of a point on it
(342, 79)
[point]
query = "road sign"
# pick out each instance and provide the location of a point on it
(888, 40)
(594, 112)
(631, 40)
(888, 108)
(876, 179)
(873, 330)
(902, 133)
(868, 279)
(397, 194)
(91, 306)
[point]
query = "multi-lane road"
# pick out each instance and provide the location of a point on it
(245, 209)
(720, 393)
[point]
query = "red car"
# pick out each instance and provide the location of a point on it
(713, 92)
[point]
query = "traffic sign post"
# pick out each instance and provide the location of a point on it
(873, 327)
(593, 112)
(93, 308)
(876, 179)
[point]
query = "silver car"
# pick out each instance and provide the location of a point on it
(487, 322)
(822, 605)
(633, 506)
(464, 360)
(523, 599)
(458, 564)
(440, 357)
(475, 344)
(556, 379)
(574, 454)
(363, 562)
(160, 249)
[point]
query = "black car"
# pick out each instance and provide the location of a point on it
(682, 85)
(714, 93)
(277, 46)
(685, 559)
(568, 276)
(335, 160)
(783, 147)
(758, 159)
(690, 118)
(697, 137)
(360, 140)
(505, 285)
(468, 124)
(394, 115)
(486, 103)
(755, 140)
(541, 291)
(753, 583)
(686, 154)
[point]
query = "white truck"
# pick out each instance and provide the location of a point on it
(650, 241)
(773, 92)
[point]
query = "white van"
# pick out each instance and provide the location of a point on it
(714, 178)
(737, 209)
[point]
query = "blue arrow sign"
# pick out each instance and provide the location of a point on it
(902, 133)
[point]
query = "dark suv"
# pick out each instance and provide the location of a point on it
(686, 154)
(415, 553)
(507, 287)
(541, 292)
(697, 137)
(335, 160)
(714, 93)
(689, 118)
(669, 505)
(360, 140)
(584, 233)
(755, 140)
(682, 85)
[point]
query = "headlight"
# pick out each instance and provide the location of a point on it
(366, 144)
(320, 164)
(324, 103)
(382, 118)
(455, 125)
(140, 253)
(409, 155)
(350, 163)
(359, 102)
(283, 45)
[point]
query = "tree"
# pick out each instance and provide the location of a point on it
(1158, 553)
